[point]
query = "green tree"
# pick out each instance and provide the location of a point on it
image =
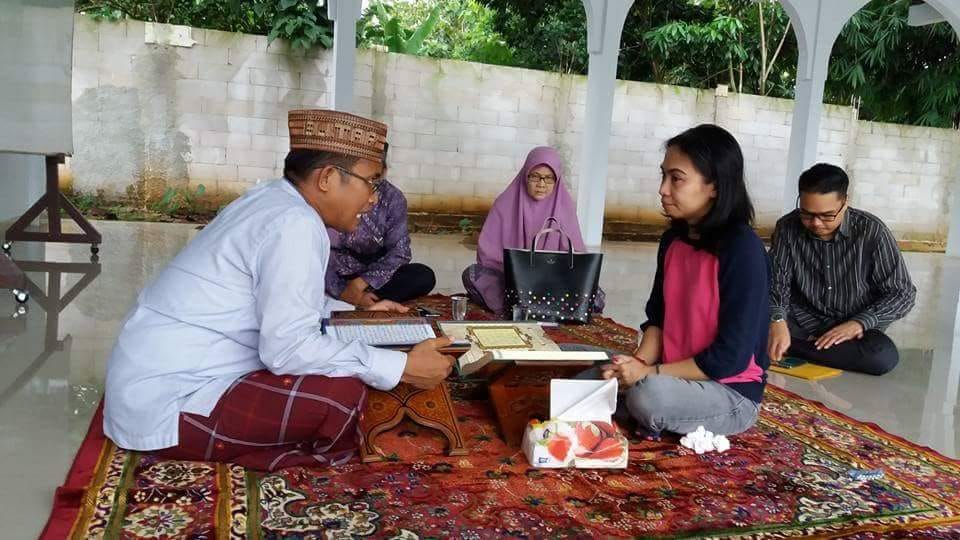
(734, 42)
(385, 27)
(458, 29)
(897, 73)
(544, 34)
(552, 34)
(301, 22)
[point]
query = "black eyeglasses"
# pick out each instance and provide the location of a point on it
(374, 181)
(825, 217)
(548, 180)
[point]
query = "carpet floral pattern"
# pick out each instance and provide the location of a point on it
(786, 477)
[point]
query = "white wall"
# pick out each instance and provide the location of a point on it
(215, 114)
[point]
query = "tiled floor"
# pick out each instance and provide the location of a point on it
(51, 364)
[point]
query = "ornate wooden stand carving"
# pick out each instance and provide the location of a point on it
(429, 408)
(522, 393)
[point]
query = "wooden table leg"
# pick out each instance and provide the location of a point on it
(52, 202)
(428, 408)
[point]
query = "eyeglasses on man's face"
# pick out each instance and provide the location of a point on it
(374, 181)
(825, 217)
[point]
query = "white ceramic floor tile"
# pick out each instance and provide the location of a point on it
(52, 364)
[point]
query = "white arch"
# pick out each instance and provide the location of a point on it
(816, 23)
(605, 20)
(344, 14)
(950, 10)
(941, 399)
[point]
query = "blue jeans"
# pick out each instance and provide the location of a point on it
(663, 403)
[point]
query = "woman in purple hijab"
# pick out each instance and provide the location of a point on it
(518, 214)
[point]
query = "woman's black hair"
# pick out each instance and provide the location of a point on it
(717, 156)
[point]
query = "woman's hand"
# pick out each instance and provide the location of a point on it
(650, 346)
(628, 370)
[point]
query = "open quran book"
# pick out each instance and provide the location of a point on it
(521, 343)
(395, 333)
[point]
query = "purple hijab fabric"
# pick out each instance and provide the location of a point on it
(514, 221)
(516, 218)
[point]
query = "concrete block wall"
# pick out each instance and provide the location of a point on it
(212, 114)
(906, 174)
(215, 114)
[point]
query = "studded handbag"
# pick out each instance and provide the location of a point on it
(554, 286)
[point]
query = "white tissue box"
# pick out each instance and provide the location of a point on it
(581, 432)
(579, 444)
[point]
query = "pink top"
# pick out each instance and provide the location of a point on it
(691, 294)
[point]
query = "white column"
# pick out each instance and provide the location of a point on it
(344, 14)
(937, 428)
(953, 235)
(22, 182)
(950, 11)
(937, 424)
(604, 26)
(816, 23)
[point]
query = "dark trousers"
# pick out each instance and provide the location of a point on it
(873, 354)
(410, 281)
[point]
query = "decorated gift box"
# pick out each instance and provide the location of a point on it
(580, 432)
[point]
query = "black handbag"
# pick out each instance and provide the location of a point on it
(552, 286)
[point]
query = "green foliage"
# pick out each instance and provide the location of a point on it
(739, 43)
(458, 29)
(397, 38)
(176, 199)
(301, 22)
(898, 73)
(544, 34)
(716, 43)
(83, 201)
(176, 204)
(466, 225)
(104, 14)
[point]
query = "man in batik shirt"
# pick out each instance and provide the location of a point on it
(373, 262)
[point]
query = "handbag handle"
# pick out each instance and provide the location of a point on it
(533, 248)
(546, 229)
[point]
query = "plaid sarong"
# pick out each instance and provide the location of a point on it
(268, 422)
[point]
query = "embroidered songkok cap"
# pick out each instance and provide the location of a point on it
(338, 132)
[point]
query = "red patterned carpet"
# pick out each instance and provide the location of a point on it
(786, 477)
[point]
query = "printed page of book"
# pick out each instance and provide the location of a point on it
(383, 334)
(487, 337)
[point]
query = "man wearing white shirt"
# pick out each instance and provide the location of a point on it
(222, 358)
